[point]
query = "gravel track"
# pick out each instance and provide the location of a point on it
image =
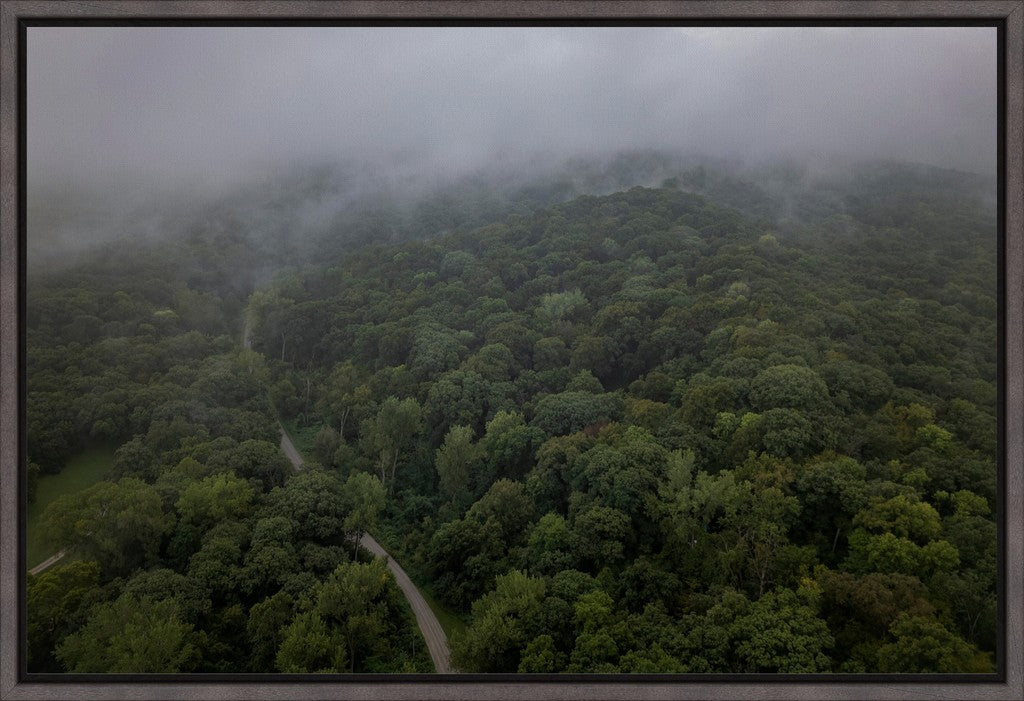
(433, 633)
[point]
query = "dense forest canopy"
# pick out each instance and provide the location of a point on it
(648, 414)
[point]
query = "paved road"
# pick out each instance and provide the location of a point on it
(45, 564)
(289, 450)
(433, 633)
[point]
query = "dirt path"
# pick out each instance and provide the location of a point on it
(433, 633)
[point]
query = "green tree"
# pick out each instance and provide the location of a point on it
(120, 525)
(215, 499)
(434, 351)
(560, 306)
(923, 644)
(455, 462)
(596, 354)
(508, 446)
(314, 501)
(32, 481)
(789, 387)
(130, 635)
(461, 398)
(261, 461)
(903, 516)
(541, 657)
(506, 504)
(271, 558)
(217, 564)
(494, 362)
(550, 353)
(309, 646)
(602, 535)
(326, 443)
(831, 492)
(162, 583)
(594, 653)
(392, 434)
(568, 412)
(500, 628)
(353, 601)
(781, 633)
(265, 630)
(344, 393)
(550, 546)
(55, 599)
(365, 499)
(859, 609)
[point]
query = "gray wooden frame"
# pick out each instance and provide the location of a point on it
(195, 688)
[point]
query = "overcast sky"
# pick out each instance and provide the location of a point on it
(162, 107)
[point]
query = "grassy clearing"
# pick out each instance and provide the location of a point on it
(82, 471)
(302, 436)
(449, 621)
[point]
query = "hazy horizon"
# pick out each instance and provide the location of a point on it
(212, 105)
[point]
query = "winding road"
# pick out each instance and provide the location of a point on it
(433, 633)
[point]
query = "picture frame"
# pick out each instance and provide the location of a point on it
(15, 15)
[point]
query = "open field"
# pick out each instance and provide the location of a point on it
(83, 470)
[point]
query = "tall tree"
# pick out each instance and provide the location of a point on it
(133, 636)
(455, 462)
(353, 601)
(392, 434)
(120, 524)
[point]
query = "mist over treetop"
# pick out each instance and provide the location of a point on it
(205, 107)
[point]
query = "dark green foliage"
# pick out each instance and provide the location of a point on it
(131, 635)
(644, 432)
(572, 411)
(200, 551)
(314, 503)
(119, 525)
(308, 646)
(57, 600)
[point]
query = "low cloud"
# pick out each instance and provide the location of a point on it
(134, 113)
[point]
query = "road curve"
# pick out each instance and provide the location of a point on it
(433, 633)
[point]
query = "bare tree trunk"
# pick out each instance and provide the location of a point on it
(382, 466)
(341, 424)
(974, 623)
(394, 467)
